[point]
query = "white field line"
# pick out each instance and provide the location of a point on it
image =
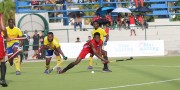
(140, 84)
(130, 65)
(153, 66)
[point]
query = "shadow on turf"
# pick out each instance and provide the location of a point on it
(96, 69)
(148, 74)
(15, 73)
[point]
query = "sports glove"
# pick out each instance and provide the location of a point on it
(105, 43)
(65, 58)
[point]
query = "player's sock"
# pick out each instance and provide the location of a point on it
(21, 57)
(105, 64)
(71, 65)
(59, 61)
(26, 56)
(17, 63)
(90, 61)
(3, 70)
(48, 66)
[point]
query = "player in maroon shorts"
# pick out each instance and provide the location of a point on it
(94, 47)
(2, 53)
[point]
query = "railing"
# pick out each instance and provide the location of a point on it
(65, 11)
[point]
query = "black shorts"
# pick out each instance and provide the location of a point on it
(25, 48)
(35, 47)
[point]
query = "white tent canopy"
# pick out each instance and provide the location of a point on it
(121, 10)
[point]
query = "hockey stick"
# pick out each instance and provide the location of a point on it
(53, 68)
(13, 55)
(19, 38)
(122, 59)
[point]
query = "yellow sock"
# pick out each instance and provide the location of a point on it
(47, 66)
(59, 61)
(17, 63)
(90, 61)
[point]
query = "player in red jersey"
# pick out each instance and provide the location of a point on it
(2, 53)
(94, 47)
(141, 2)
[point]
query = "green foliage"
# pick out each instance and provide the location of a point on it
(89, 13)
(177, 18)
(7, 7)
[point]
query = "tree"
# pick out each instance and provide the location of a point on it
(89, 13)
(7, 8)
(177, 18)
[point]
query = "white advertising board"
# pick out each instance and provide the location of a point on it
(120, 48)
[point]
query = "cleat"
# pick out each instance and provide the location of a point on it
(59, 69)
(61, 72)
(90, 67)
(47, 71)
(18, 73)
(106, 70)
(3, 83)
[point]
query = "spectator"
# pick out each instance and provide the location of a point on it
(80, 1)
(26, 44)
(91, 1)
(141, 20)
(89, 38)
(36, 38)
(106, 28)
(78, 22)
(42, 51)
(132, 24)
(109, 18)
(126, 20)
(35, 2)
(78, 40)
(119, 21)
(96, 17)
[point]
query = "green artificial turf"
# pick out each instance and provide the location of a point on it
(136, 74)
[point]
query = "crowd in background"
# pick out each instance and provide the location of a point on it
(37, 45)
(123, 21)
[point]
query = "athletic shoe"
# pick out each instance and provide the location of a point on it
(90, 67)
(3, 83)
(58, 69)
(106, 70)
(61, 72)
(47, 71)
(18, 73)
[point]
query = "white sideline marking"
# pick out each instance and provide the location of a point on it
(153, 66)
(141, 84)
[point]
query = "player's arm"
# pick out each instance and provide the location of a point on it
(2, 28)
(46, 46)
(60, 51)
(58, 47)
(95, 52)
(20, 36)
(100, 50)
(105, 35)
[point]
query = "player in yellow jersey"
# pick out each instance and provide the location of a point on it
(102, 35)
(13, 45)
(51, 44)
